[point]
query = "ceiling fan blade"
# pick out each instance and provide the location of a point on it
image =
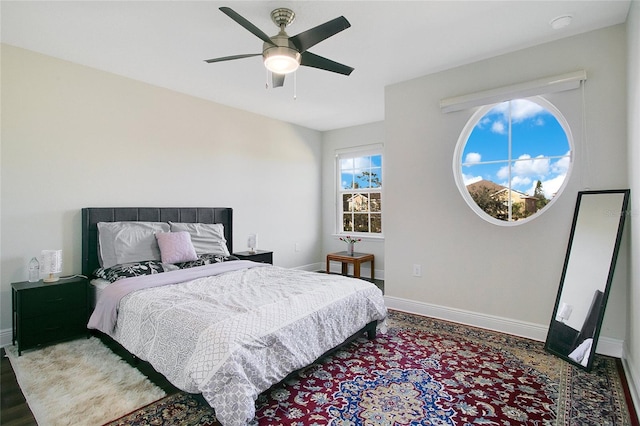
(246, 24)
(311, 60)
(309, 38)
(229, 58)
(277, 80)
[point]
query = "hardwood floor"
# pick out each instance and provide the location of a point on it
(14, 410)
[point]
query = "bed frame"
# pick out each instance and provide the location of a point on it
(224, 215)
(92, 215)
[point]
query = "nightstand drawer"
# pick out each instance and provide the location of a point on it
(54, 299)
(51, 328)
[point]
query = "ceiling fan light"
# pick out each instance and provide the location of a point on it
(281, 60)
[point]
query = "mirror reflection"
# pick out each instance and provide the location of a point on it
(593, 248)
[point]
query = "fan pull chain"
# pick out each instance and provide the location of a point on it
(266, 83)
(295, 86)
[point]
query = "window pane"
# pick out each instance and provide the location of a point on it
(362, 179)
(346, 180)
(375, 202)
(376, 177)
(489, 140)
(361, 222)
(345, 202)
(347, 223)
(376, 223)
(490, 197)
(346, 164)
(359, 203)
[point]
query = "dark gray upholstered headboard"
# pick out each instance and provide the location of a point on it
(92, 215)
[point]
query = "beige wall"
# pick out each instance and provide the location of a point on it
(76, 137)
(332, 141)
(468, 265)
(632, 343)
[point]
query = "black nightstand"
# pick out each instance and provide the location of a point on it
(261, 256)
(45, 313)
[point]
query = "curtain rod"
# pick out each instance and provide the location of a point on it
(541, 86)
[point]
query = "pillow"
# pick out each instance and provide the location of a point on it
(126, 242)
(206, 237)
(206, 259)
(176, 247)
(135, 269)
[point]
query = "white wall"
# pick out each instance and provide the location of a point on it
(332, 141)
(473, 270)
(76, 137)
(631, 357)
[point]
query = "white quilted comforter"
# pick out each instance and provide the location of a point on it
(234, 335)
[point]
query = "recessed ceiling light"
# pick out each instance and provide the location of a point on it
(561, 22)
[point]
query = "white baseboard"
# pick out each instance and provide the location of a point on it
(312, 267)
(606, 346)
(365, 272)
(6, 337)
(632, 373)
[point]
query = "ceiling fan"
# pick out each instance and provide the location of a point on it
(283, 54)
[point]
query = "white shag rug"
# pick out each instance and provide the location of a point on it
(81, 382)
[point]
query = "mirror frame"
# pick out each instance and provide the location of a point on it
(549, 346)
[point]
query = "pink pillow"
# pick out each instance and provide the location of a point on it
(176, 247)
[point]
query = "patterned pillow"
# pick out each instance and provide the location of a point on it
(134, 269)
(176, 247)
(206, 259)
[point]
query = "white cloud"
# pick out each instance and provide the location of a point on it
(526, 166)
(561, 165)
(549, 187)
(525, 170)
(517, 181)
(521, 109)
(484, 122)
(468, 179)
(472, 157)
(498, 127)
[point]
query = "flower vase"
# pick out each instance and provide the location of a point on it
(350, 247)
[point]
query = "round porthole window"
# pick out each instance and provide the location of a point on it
(512, 160)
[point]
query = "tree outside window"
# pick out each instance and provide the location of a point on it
(360, 193)
(514, 159)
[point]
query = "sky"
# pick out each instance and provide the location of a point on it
(353, 168)
(539, 148)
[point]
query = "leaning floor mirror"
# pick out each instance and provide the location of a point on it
(588, 269)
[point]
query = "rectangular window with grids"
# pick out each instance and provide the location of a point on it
(360, 192)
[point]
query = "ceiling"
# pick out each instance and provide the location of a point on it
(164, 43)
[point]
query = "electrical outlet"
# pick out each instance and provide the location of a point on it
(296, 247)
(417, 270)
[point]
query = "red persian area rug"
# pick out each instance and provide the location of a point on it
(427, 372)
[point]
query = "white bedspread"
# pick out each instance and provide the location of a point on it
(234, 335)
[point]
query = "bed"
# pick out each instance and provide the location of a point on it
(228, 329)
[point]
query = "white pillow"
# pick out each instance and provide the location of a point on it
(126, 242)
(205, 237)
(176, 247)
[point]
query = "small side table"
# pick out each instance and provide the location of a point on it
(356, 259)
(46, 313)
